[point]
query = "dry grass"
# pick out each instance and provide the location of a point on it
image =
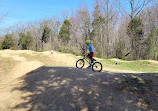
(57, 59)
(6, 65)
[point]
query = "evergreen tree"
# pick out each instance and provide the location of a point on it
(64, 33)
(26, 41)
(152, 48)
(8, 42)
(97, 32)
(45, 35)
(135, 32)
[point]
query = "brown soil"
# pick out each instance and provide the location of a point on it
(34, 87)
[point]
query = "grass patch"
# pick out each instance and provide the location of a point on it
(6, 65)
(38, 57)
(141, 66)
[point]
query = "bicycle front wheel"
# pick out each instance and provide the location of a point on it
(97, 67)
(80, 63)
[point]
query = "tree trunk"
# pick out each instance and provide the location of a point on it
(42, 44)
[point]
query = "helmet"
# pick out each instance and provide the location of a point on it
(88, 41)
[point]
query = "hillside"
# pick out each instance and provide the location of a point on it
(39, 81)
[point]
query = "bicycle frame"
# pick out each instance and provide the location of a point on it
(85, 58)
(94, 63)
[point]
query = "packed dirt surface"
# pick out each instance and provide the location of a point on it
(23, 65)
(31, 86)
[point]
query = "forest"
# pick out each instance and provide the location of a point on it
(116, 30)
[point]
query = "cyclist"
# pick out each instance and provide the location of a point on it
(90, 55)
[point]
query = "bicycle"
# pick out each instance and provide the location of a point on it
(96, 66)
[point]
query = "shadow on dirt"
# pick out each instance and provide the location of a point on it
(71, 89)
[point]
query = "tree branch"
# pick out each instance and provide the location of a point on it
(122, 9)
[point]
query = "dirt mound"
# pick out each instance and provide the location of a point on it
(67, 88)
(34, 87)
(23, 65)
(61, 59)
(8, 99)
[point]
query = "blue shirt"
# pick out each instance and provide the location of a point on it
(90, 48)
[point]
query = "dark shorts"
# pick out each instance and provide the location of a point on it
(90, 55)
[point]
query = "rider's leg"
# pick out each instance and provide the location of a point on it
(90, 58)
(90, 62)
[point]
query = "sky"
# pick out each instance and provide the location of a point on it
(32, 10)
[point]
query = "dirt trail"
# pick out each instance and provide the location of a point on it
(9, 98)
(118, 60)
(23, 66)
(69, 89)
(61, 59)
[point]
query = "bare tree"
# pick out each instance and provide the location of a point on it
(136, 6)
(83, 17)
(108, 26)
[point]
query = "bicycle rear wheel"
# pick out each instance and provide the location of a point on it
(97, 67)
(80, 63)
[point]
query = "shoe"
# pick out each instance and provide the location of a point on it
(89, 67)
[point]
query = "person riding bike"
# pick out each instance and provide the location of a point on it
(90, 55)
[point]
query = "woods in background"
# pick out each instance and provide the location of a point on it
(116, 30)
